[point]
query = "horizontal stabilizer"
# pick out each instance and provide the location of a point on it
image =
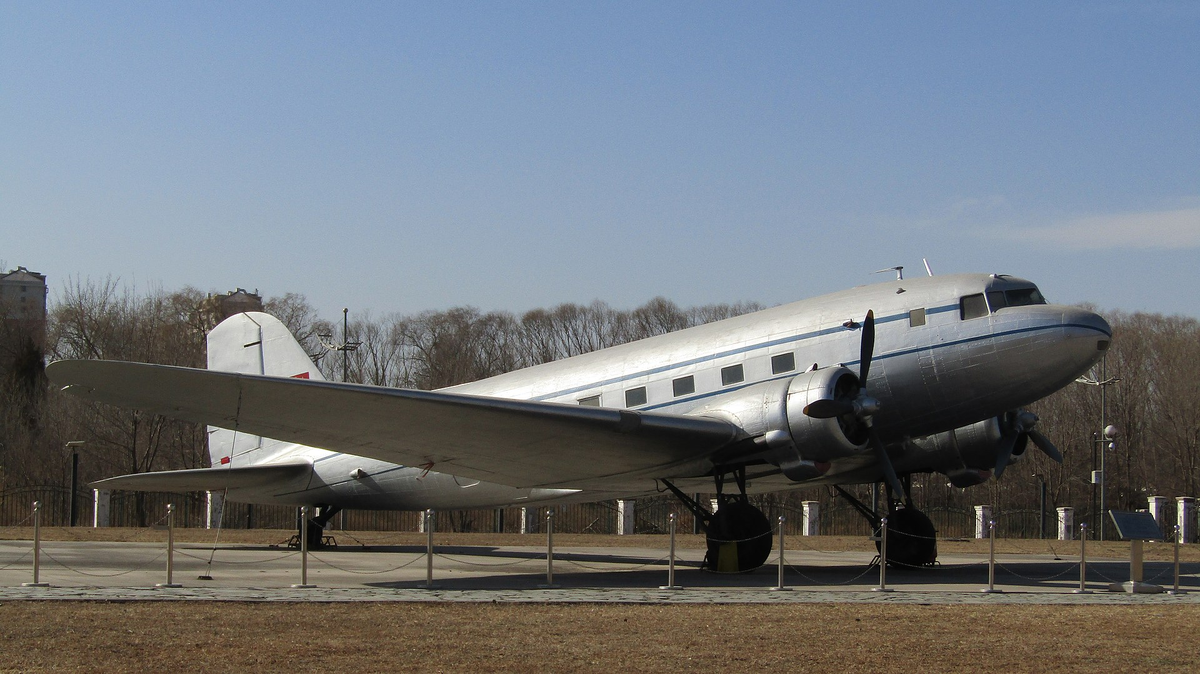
(209, 479)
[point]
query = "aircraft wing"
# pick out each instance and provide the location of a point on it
(209, 479)
(515, 442)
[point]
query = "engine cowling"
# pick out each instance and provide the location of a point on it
(800, 445)
(967, 454)
(803, 451)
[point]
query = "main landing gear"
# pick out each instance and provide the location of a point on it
(912, 539)
(316, 529)
(739, 535)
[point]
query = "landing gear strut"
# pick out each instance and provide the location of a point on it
(912, 539)
(739, 535)
(316, 529)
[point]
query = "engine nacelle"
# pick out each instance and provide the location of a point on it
(823, 439)
(966, 455)
(798, 444)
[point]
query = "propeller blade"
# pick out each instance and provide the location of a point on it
(1004, 455)
(1043, 443)
(866, 348)
(885, 462)
(828, 409)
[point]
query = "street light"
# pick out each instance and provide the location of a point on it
(347, 345)
(1098, 476)
(74, 446)
(1106, 441)
(1041, 506)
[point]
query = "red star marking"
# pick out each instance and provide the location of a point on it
(302, 375)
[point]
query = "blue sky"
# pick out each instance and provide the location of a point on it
(402, 156)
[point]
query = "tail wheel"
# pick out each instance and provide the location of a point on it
(739, 538)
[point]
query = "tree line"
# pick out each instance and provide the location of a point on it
(1152, 393)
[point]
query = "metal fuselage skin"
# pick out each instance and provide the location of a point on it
(938, 365)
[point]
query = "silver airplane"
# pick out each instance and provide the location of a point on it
(866, 385)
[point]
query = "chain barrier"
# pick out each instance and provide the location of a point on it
(489, 565)
(607, 567)
(328, 563)
(769, 532)
(284, 555)
(870, 567)
(18, 559)
(1071, 566)
(72, 569)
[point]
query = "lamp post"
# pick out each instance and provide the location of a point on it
(346, 344)
(1105, 442)
(1108, 432)
(1041, 505)
(74, 446)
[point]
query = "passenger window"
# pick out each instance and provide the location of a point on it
(684, 386)
(972, 306)
(784, 362)
(996, 300)
(590, 401)
(732, 375)
(916, 318)
(635, 396)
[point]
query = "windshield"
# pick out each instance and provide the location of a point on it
(1017, 297)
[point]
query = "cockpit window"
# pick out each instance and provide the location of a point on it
(972, 306)
(1019, 297)
(1022, 297)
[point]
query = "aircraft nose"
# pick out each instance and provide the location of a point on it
(1087, 327)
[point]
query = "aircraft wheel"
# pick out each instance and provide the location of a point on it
(912, 540)
(739, 538)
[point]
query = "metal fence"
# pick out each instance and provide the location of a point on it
(651, 515)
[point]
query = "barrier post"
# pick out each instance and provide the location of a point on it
(671, 560)
(37, 547)
(549, 584)
(991, 588)
(303, 550)
(428, 522)
(1175, 589)
(1082, 589)
(779, 587)
(170, 548)
(882, 558)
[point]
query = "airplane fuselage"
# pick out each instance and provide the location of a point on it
(950, 351)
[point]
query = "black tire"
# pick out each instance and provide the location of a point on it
(912, 539)
(739, 538)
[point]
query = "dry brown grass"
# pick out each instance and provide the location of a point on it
(93, 636)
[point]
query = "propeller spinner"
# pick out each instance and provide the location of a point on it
(1017, 429)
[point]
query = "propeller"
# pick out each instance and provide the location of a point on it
(1016, 430)
(860, 405)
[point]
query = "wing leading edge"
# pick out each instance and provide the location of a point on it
(515, 442)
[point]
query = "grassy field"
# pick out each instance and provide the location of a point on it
(229, 636)
(203, 636)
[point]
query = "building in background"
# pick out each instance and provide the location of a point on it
(216, 308)
(23, 304)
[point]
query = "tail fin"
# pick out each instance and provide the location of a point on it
(252, 343)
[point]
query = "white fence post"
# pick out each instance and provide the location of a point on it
(215, 508)
(101, 508)
(983, 515)
(1185, 513)
(626, 517)
(1066, 524)
(811, 525)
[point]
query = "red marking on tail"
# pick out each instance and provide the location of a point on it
(302, 375)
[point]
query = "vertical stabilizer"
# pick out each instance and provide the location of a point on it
(252, 343)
